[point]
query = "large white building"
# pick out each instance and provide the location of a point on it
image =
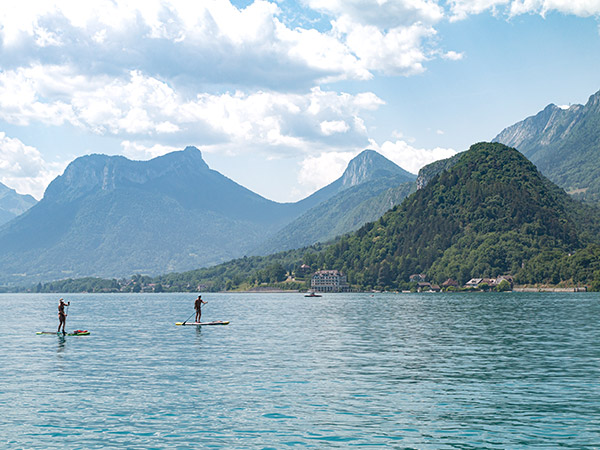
(329, 281)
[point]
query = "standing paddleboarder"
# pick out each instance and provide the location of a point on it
(62, 316)
(198, 306)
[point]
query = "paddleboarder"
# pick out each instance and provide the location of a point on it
(198, 306)
(62, 316)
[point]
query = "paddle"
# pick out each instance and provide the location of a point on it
(188, 318)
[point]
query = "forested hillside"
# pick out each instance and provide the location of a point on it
(492, 213)
(344, 212)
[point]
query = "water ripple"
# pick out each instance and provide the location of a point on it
(494, 371)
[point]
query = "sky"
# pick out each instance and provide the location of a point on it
(279, 95)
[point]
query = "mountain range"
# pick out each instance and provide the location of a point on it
(564, 143)
(491, 213)
(109, 216)
(13, 204)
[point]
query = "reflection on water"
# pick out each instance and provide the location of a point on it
(61, 342)
(480, 371)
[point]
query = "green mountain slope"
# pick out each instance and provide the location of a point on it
(564, 144)
(370, 185)
(492, 213)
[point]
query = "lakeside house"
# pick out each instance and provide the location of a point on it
(491, 282)
(329, 281)
(449, 283)
(418, 278)
(302, 271)
(474, 282)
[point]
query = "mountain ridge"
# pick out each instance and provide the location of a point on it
(489, 213)
(13, 204)
(111, 216)
(564, 143)
(370, 185)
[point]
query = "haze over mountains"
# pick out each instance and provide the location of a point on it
(13, 204)
(370, 185)
(109, 216)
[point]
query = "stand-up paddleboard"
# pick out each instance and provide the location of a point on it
(59, 333)
(199, 324)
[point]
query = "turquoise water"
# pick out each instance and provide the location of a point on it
(422, 371)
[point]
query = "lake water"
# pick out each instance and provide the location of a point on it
(422, 371)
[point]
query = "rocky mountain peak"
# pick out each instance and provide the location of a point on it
(369, 165)
(103, 172)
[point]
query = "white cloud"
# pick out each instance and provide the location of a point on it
(461, 9)
(23, 168)
(409, 157)
(329, 127)
(143, 107)
(453, 56)
(388, 36)
(325, 53)
(22, 92)
(319, 170)
(397, 134)
(215, 42)
(398, 51)
(383, 14)
(583, 8)
(139, 151)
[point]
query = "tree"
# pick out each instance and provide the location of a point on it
(276, 272)
(503, 286)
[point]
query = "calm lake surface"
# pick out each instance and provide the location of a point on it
(407, 371)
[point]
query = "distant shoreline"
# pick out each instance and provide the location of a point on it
(263, 290)
(551, 289)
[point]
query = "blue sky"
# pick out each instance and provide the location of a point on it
(280, 95)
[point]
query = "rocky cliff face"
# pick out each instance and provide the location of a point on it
(547, 127)
(564, 143)
(107, 173)
(427, 173)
